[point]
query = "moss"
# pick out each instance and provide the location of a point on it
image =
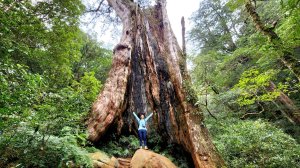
(191, 96)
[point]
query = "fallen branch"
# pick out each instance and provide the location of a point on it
(263, 109)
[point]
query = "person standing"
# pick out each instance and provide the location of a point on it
(142, 130)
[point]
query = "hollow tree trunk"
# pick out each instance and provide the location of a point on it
(149, 74)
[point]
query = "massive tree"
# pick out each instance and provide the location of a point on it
(149, 74)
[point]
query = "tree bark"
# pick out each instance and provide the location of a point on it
(287, 59)
(183, 36)
(291, 111)
(149, 74)
(258, 23)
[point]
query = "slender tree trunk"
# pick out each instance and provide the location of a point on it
(290, 109)
(149, 74)
(217, 7)
(287, 59)
(226, 29)
(258, 23)
(183, 36)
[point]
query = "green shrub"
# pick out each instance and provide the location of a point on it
(125, 146)
(174, 152)
(41, 126)
(19, 91)
(28, 148)
(254, 144)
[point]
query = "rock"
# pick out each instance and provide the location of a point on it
(148, 159)
(141, 159)
(124, 162)
(101, 156)
(101, 160)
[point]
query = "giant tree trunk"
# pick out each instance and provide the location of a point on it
(149, 74)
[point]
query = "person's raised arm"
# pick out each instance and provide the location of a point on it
(149, 116)
(136, 117)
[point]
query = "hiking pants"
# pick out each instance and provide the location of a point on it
(143, 137)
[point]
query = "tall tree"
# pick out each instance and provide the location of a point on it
(214, 27)
(149, 74)
(287, 58)
(93, 58)
(44, 35)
